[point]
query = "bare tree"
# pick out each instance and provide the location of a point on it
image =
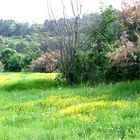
(67, 37)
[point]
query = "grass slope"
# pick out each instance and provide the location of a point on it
(33, 106)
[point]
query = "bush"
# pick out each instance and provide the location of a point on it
(29, 57)
(91, 67)
(124, 63)
(11, 59)
(46, 63)
(124, 55)
(96, 67)
(15, 63)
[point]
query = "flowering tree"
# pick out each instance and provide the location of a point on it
(131, 16)
(131, 20)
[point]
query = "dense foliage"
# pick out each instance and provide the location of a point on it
(110, 56)
(108, 49)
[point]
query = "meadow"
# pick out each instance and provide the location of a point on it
(33, 106)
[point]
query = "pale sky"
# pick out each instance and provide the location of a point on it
(35, 11)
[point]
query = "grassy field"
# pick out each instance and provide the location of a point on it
(35, 107)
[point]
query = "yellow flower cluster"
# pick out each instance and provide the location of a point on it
(21, 106)
(42, 76)
(77, 107)
(85, 107)
(24, 106)
(82, 108)
(60, 102)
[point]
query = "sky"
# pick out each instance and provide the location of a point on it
(36, 11)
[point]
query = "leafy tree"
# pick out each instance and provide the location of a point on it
(5, 55)
(29, 56)
(105, 31)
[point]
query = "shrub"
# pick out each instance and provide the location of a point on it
(90, 67)
(46, 63)
(15, 63)
(124, 63)
(5, 55)
(96, 67)
(124, 55)
(29, 57)
(11, 59)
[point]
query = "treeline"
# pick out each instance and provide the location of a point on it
(10, 28)
(99, 47)
(29, 41)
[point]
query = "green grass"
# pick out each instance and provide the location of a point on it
(35, 107)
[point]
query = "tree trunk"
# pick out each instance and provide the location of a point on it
(70, 79)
